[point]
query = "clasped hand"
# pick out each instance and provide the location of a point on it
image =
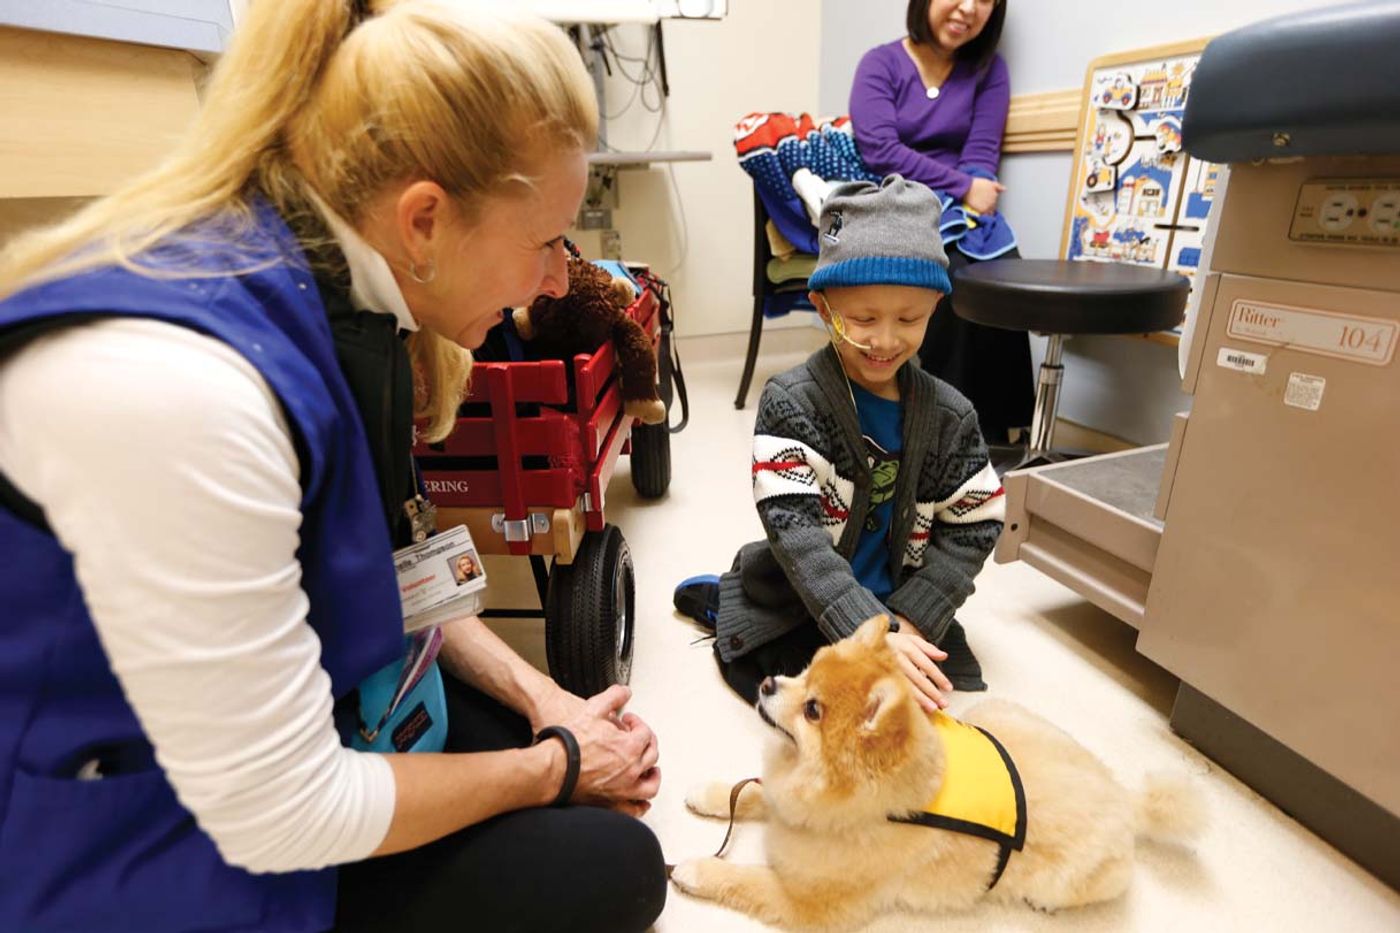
(982, 196)
(618, 751)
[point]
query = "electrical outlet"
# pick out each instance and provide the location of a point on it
(1348, 212)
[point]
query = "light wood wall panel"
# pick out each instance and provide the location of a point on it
(1044, 122)
(81, 115)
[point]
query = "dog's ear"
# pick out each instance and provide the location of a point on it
(883, 696)
(872, 631)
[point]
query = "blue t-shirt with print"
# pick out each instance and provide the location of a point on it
(882, 424)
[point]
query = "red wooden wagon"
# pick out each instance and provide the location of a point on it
(527, 471)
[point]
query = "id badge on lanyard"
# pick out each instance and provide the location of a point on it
(440, 577)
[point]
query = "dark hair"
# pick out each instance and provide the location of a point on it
(979, 51)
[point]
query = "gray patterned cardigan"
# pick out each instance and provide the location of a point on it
(812, 484)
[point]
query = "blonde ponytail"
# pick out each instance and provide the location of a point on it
(445, 90)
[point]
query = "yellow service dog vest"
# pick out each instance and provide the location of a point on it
(981, 793)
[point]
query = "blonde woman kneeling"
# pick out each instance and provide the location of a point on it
(206, 410)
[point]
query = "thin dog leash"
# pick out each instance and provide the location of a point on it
(733, 808)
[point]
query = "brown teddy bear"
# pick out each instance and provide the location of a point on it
(595, 310)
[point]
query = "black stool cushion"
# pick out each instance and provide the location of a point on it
(1052, 296)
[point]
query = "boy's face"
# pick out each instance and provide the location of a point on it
(887, 321)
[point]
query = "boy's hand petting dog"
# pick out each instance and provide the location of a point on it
(916, 656)
(618, 753)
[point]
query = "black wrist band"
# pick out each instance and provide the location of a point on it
(573, 760)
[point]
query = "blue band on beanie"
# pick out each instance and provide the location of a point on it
(882, 270)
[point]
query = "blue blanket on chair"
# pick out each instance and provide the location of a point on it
(792, 160)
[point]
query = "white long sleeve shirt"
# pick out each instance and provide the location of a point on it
(163, 463)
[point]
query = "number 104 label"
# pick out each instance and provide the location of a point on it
(1326, 333)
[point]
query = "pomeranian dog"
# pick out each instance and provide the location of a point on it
(874, 805)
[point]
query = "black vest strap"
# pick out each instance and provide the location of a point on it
(376, 366)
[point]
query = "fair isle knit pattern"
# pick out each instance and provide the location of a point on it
(812, 488)
(980, 499)
(786, 467)
(783, 466)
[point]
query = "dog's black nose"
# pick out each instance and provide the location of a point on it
(768, 687)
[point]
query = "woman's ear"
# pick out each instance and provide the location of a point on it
(420, 215)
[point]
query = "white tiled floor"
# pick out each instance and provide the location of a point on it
(1255, 870)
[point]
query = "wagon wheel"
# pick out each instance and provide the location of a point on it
(651, 459)
(589, 615)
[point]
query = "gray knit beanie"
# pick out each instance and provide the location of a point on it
(884, 234)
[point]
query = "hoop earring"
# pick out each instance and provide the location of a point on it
(424, 278)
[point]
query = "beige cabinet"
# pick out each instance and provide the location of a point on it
(79, 116)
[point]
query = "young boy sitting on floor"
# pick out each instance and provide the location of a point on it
(870, 475)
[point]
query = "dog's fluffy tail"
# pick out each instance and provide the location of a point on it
(1170, 809)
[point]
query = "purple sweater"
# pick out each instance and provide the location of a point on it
(944, 143)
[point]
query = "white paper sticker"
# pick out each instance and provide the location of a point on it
(1304, 391)
(1242, 361)
(439, 579)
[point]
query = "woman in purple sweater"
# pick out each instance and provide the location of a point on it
(932, 107)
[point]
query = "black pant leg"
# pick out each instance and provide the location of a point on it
(477, 723)
(543, 870)
(785, 656)
(568, 869)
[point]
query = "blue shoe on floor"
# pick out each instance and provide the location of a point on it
(698, 598)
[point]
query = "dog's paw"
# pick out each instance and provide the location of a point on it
(692, 876)
(710, 799)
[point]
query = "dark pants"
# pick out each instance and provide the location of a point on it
(785, 656)
(790, 654)
(991, 366)
(572, 869)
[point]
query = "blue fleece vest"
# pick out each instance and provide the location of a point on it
(120, 854)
